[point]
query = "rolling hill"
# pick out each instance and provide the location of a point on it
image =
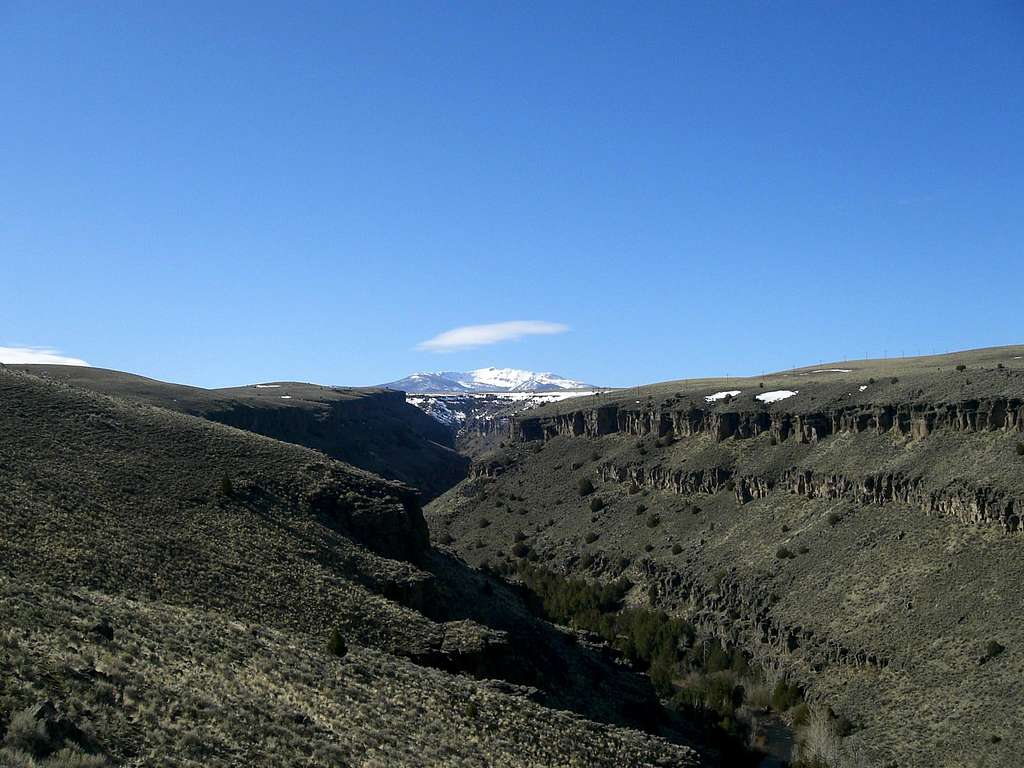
(176, 591)
(372, 428)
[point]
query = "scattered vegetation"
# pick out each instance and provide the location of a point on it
(653, 520)
(698, 676)
(596, 504)
(584, 486)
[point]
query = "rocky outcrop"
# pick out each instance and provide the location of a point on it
(968, 504)
(680, 481)
(740, 614)
(392, 526)
(487, 468)
(959, 500)
(914, 419)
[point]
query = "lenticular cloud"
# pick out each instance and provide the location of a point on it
(36, 356)
(469, 336)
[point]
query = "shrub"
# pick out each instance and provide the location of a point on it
(27, 733)
(774, 440)
(591, 537)
(584, 486)
(786, 695)
(803, 549)
(595, 456)
(895, 380)
(961, 367)
(871, 380)
(834, 518)
(648, 547)
(519, 536)
(336, 645)
(483, 522)
(596, 504)
(641, 508)
(192, 741)
(783, 553)
(225, 489)
(677, 549)
(994, 648)
(653, 521)
(520, 549)
(575, 465)
(1020, 449)
(633, 488)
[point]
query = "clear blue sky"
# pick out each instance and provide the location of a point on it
(220, 193)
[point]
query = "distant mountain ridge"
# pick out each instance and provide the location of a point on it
(486, 380)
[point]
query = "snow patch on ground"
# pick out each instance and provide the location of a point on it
(721, 395)
(775, 396)
(833, 370)
(286, 397)
(268, 386)
(452, 409)
(439, 410)
(863, 387)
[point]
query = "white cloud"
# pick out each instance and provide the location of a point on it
(469, 336)
(36, 355)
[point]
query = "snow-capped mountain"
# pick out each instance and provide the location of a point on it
(486, 380)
